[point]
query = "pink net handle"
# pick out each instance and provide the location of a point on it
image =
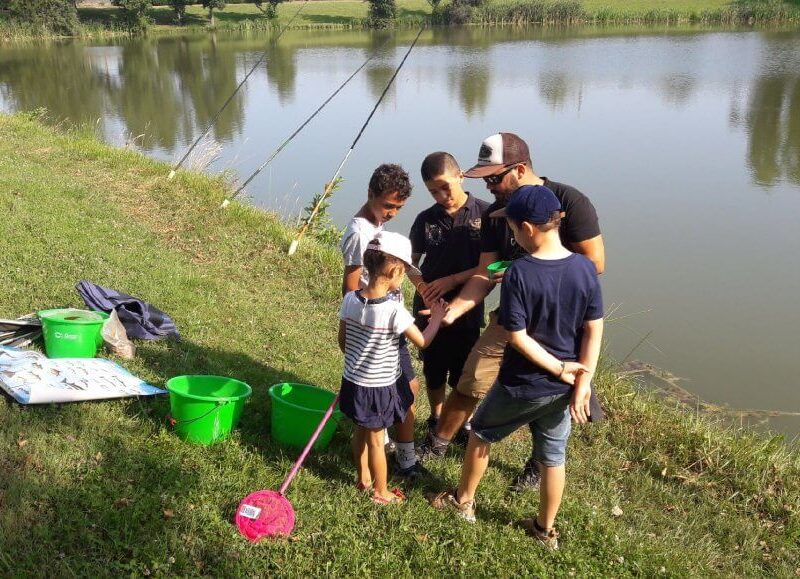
(308, 446)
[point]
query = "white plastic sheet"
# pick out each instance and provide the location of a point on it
(32, 378)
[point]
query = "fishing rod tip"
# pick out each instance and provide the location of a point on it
(171, 175)
(225, 204)
(293, 247)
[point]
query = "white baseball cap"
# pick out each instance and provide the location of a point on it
(497, 152)
(397, 246)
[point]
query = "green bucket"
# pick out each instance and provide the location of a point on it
(206, 408)
(296, 412)
(497, 267)
(71, 333)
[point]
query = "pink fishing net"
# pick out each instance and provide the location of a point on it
(264, 514)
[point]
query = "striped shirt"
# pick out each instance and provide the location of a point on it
(372, 339)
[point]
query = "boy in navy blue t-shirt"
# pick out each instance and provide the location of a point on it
(552, 308)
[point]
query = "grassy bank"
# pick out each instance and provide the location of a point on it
(105, 488)
(99, 22)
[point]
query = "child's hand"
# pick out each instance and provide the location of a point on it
(571, 372)
(579, 405)
(439, 309)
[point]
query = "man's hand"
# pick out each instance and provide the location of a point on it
(496, 278)
(579, 405)
(449, 317)
(571, 372)
(437, 288)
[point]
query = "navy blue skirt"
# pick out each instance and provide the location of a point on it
(380, 407)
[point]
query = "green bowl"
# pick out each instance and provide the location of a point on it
(497, 267)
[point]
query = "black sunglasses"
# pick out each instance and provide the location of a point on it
(496, 179)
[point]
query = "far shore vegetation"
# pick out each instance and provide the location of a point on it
(96, 19)
(107, 489)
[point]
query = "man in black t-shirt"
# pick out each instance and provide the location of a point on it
(504, 163)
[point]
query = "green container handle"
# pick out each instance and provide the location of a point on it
(175, 423)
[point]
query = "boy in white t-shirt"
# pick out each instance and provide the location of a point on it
(389, 188)
(375, 393)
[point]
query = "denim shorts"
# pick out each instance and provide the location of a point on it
(500, 414)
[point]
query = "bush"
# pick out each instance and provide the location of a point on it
(457, 13)
(271, 8)
(133, 13)
(56, 16)
(382, 13)
(460, 11)
(212, 5)
(179, 6)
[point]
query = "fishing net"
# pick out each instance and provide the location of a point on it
(265, 514)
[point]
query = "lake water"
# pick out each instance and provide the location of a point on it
(687, 142)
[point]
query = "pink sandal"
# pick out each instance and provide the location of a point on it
(399, 497)
(362, 487)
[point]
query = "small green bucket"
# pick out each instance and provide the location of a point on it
(205, 409)
(297, 410)
(497, 267)
(71, 333)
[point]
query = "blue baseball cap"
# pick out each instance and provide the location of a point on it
(532, 203)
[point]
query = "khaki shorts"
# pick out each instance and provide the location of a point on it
(483, 363)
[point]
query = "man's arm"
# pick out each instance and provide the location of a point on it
(351, 280)
(439, 287)
(594, 249)
(474, 291)
(589, 354)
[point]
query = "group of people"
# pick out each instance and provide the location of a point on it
(531, 365)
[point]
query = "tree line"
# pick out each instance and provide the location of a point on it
(61, 16)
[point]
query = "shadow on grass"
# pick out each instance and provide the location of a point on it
(178, 358)
(134, 481)
(332, 19)
(101, 16)
(166, 16)
(407, 13)
(235, 18)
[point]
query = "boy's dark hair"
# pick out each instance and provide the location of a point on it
(376, 262)
(553, 223)
(388, 178)
(439, 163)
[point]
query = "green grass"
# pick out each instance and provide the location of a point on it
(105, 488)
(337, 14)
(316, 14)
(353, 13)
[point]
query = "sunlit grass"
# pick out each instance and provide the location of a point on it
(105, 488)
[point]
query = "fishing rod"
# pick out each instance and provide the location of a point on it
(329, 187)
(300, 128)
(233, 94)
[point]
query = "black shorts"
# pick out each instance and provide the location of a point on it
(443, 360)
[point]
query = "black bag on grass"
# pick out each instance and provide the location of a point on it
(141, 320)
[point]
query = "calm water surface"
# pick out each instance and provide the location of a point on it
(688, 143)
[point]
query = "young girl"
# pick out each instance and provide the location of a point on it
(374, 393)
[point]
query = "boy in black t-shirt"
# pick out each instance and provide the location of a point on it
(551, 306)
(448, 235)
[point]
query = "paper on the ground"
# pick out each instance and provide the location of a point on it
(32, 378)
